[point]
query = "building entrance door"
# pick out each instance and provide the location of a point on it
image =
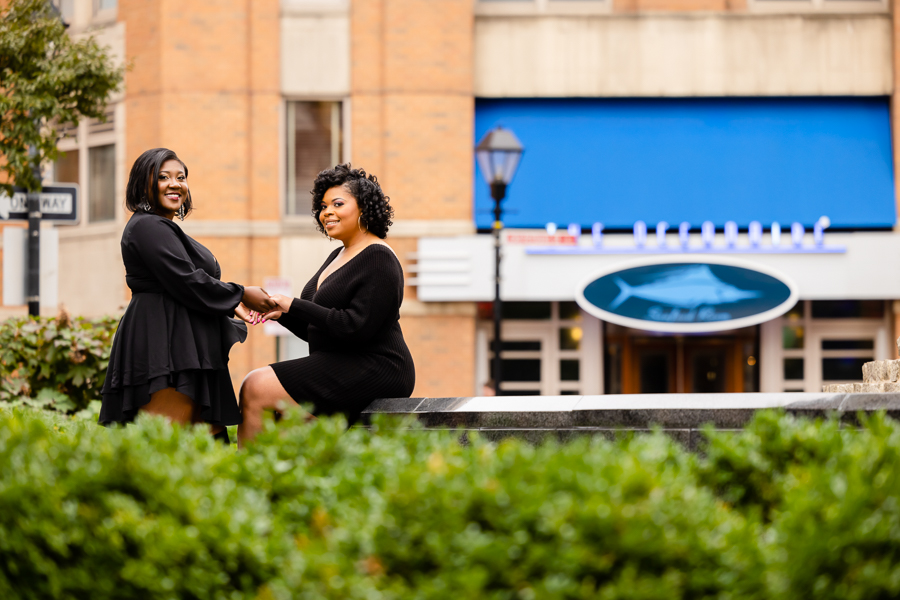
(680, 364)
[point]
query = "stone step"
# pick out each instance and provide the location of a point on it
(881, 371)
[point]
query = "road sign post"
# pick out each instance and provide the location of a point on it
(56, 202)
(33, 288)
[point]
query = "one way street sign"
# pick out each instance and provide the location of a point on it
(59, 202)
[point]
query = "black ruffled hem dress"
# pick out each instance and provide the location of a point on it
(177, 330)
(356, 349)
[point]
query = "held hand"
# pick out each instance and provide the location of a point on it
(256, 298)
(283, 303)
(258, 317)
(244, 314)
(271, 316)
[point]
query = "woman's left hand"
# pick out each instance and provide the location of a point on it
(244, 314)
(283, 302)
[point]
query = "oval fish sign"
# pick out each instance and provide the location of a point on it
(683, 295)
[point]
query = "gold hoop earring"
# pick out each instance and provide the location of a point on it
(359, 225)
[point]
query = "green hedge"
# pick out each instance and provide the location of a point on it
(54, 363)
(789, 508)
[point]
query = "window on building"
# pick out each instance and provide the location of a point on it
(65, 169)
(314, 143)
(88, 158)
(548, 348)
(66, 9)
(824, 341)
(102, 5)
(102, 183)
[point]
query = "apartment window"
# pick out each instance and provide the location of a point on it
(66, 168)
(102, 5)
(102, 183)
(88, 158)
(66, 9)
(314, 143)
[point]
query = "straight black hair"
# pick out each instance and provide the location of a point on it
(142, 186)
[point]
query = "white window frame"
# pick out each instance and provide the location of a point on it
(590, 355)
(772, 354)
(83, 142)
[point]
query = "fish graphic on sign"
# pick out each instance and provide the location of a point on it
(690, 287)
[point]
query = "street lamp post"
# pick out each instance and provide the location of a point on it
(498, 155)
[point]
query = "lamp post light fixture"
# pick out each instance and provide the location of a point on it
(498, 155)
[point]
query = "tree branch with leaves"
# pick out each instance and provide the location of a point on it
(46, 78)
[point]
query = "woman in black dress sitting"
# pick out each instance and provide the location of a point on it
(170, 352)
(348, 312)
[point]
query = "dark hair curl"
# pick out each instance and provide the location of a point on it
(142, 181)
(374, 206)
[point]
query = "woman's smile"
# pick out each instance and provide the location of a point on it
(172, 187)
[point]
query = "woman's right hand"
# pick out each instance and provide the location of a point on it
(256, 298)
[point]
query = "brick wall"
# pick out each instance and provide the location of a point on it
(205, 83)
(412, 125)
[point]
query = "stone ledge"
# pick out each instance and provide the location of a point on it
(571, 415)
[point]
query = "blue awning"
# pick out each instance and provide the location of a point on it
(675, 160)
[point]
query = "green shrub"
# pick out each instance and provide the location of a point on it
(54, 363)
(836, 534)
(397, 512)
(830, 493)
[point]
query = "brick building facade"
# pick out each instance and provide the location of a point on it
(258, 95)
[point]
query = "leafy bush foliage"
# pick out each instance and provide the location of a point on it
(315, 511)
(55, 363)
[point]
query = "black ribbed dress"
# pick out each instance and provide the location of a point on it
(356, 349)
(177, 330)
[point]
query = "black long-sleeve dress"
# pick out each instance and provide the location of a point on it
(177, 330)
(356, 348)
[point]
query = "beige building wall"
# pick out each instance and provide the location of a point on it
(681, 55)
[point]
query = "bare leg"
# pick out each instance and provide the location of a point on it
(173, 405)
(260, 391)
(176, 407)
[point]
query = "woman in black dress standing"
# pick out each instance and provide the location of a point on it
(348, 312)
(170, 352)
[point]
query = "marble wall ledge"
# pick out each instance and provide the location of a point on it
(633, 411)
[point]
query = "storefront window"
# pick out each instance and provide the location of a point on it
(848, 344)
(843, 369)
(570, 338)
(520, 369)
(569, 370)
(527, 310)
(793, 368)
(847, 309)
(569, 311)
(791, 336)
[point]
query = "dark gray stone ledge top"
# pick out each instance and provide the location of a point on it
(757, 401)
(625, 411)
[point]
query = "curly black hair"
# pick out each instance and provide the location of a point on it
(142, 182)
(375, 207)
